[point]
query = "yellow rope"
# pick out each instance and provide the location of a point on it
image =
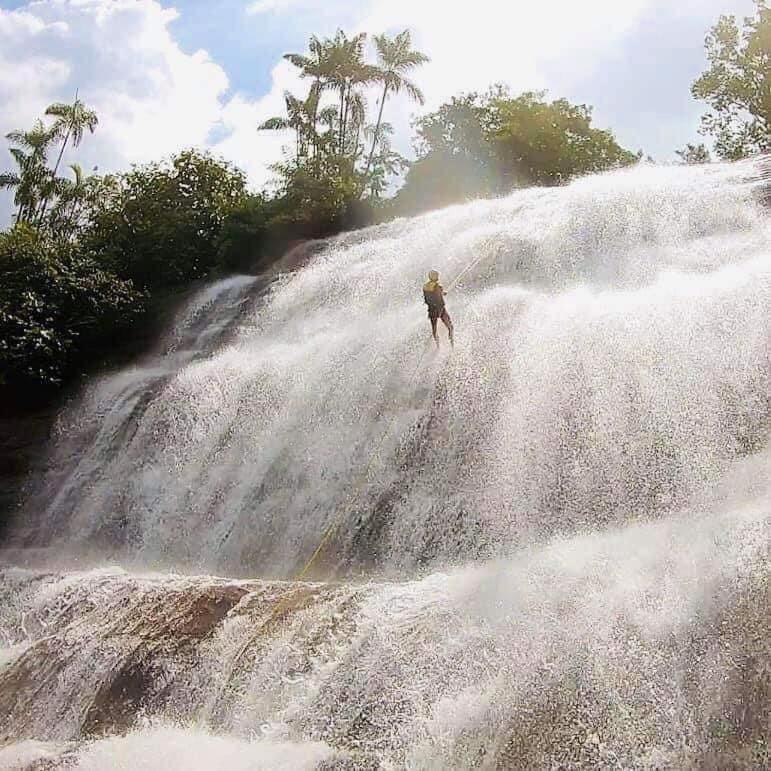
(332, 527)
(471, 265)
(328, 533)
(362, 481)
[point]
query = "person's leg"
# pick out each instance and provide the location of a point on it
(448, 323)
(434, 320)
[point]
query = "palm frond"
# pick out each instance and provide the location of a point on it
(58, 110)
(8, 179)
(328, 115)
(274, 124)
(21, 158)
(77, 170)
(298, 60)
(414, 92)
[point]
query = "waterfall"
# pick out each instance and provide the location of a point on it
(546, 546)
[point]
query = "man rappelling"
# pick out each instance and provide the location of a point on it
(433, 294)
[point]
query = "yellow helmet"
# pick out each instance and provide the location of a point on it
(433, 276)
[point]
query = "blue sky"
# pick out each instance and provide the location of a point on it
(165, 75)
(248, 45)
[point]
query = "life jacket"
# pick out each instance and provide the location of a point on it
(433, 294)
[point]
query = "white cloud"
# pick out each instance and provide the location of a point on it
(154, 98)
(473, 45)
(244, 145)
(270, 6)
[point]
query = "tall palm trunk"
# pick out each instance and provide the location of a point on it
(44, 202)
(315, 119)
(375, 136)
(345, 118)
(62, 149)
(341, 138)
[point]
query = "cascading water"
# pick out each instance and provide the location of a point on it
(563, 523)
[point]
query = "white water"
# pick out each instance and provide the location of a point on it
(566, 520)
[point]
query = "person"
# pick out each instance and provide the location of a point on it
(433, 294)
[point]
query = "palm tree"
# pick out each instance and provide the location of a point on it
(386, 162)
(315, 66)
(301, 117)
(357, 118)
(32, 176)
(10, 180)
(71, 198)
(71, 122)
(346, 71)
(395, 58)
(327, 140)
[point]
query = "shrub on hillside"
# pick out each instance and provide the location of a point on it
(161, 225)
(57, 305)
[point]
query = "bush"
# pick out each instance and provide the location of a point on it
(56, 305)
(261, 229)
(161, 225)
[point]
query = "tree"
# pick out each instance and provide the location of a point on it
(76, 201)
(336, 140)
(71, 122)
(737, 85)
(160, 225)
(33, 175)
(693, 155)
(345, 73)
(396, 57)
(486, 145)
(455, 157)
(300, 118)
(57, 304)
(546, 143)
(384, 163)
(35, 184)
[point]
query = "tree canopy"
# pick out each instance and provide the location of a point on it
(737, 85)
(693, 155)
(477, 145)
(159, 224)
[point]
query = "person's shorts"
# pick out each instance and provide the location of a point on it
(438, 313)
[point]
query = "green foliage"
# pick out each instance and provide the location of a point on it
(55, 303)
(161, 223)
(737, 85)
(245, 235)
(32, 177)
(546, 143)
(485, 145)
(36, 186)
(396, 58)
(333, 139)
(693, 155)
(308, 205)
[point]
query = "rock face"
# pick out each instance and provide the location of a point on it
(548, 548)
(23, 440)
(652, 664)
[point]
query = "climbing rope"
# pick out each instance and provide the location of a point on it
(331, 529)
(288, 598)
(363, 479)
(468, 267)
